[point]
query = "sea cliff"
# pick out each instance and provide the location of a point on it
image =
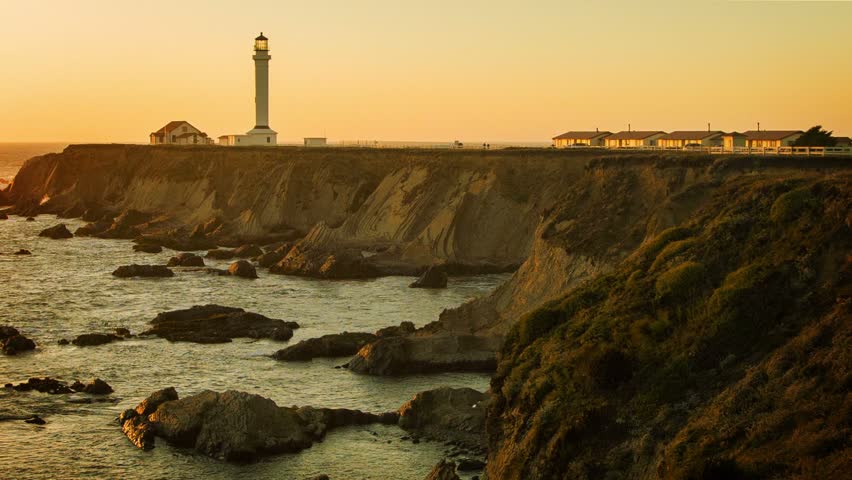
(659, 302)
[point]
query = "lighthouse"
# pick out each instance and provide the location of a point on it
(261, 134)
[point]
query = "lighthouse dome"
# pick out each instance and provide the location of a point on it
(261, 43)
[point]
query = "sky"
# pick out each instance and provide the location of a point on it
(474, 70)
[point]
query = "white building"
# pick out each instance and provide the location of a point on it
(315, 141)
(179, 132)
(261, 134)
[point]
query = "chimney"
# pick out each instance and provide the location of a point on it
(628, 127)
(758, 126)
(708, 126)
(597, 130)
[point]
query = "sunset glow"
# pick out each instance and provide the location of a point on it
(435, 71)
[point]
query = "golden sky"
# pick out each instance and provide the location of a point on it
(475, 70)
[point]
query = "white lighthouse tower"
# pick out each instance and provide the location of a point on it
(261, 134)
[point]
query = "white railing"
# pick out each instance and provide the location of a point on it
(803, 151)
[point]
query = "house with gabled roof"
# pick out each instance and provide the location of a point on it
(691, 138)
(771, 138)
(179, 132)
(633, 138)
(581, 139)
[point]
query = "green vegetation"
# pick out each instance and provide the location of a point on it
(815, 137)
(675, 362)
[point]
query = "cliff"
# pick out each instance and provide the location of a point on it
(672, 316)
(386, 211)
(718, 348)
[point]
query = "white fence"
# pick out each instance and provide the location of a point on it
(802, 151)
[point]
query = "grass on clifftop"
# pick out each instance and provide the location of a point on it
(720, 349)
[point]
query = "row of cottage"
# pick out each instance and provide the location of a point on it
(682, 139)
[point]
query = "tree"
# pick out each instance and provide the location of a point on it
(815, 137)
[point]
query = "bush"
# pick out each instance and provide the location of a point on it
(537, 324)
(681, 282)
(791, 205)
(671, 250)
(610, 368)
(665, 237)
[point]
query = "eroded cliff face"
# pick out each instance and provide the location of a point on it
(718, 348)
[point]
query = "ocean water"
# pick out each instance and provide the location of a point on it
(66, 288)
(13, 155)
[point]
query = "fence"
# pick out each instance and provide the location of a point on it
(801, 151)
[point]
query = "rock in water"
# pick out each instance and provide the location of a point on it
(444, 470)
(97, 387)
(3, 216)
(186, 259)
(146, 248)
(428, 353)
(335, 345)
(234, 426)
(56, 232)
(134, 270)
(44, 385)
(220, 254)
(217, 324)
(447, 414)
(13, 342)
(248, 251)
(30, 219)
(242, 268)
(17, 344)
(95, 339)
(433, 277)
(23, 252)
(35, 420)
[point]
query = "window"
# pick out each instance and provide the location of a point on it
(184, 129)
(173, 138)
(268, 140)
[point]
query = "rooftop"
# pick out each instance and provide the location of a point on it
(634, 135)
(581, 135)
(690, 135)
(771, 134)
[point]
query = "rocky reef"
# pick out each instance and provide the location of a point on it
(217, 324)
(234, 426)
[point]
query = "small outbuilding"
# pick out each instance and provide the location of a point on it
(581, 139)
(633, 139)
(315, 141)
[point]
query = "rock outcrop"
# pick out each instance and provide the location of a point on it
(134, 270)
(95, 339)
(217, 324)
(234, 426)
(13, 342)
(335, 345)
(186, 259)
(447, 414)
(57, 387)
(56, 232)
(242, 268)
(426, 354)
(433, 277)
(444, 470)
(146, 247)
